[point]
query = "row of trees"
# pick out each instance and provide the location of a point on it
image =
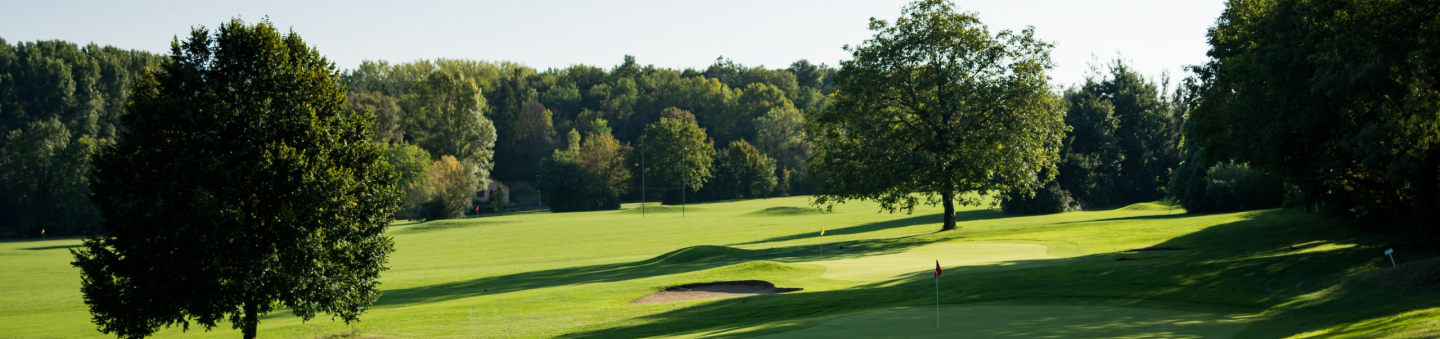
(541, 116)
(59, 102)
(1339, 98)
(1124, 144)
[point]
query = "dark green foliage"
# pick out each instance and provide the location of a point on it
(524, 139)
(741, 171)
(588, 175)
(387, 114)
(1123, 140)
(61, 86)
(1338, 97)
(568, 187)
(45, 175)
(934, 106)
(497, 201)
(242, 178)
(1236, 187)
(1051, 199)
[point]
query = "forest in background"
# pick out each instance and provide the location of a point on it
(572, 137)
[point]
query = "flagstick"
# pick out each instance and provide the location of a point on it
(937, 302)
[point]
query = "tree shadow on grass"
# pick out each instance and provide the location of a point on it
(1139, 217)
(933, 218)
(1242, 267)
(56, 247)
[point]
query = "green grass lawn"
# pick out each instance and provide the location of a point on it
(573, 275)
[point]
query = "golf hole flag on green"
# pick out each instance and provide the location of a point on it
(937, 294)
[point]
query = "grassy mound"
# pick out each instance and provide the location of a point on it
(658, 208)
(1149, 206)
(784, 211)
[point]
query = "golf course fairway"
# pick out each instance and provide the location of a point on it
(1275, 273)
(922, 259)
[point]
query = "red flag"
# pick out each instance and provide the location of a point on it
(937, 269)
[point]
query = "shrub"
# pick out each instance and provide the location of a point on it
(1051, 199)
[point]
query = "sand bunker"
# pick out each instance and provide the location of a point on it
(713, 290)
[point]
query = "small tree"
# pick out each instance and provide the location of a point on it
(742, 172)
(452, 188)
(678, 154)
(240, 184)
(497, 200)
(605, 160)
(412, 163)
(934, 106)
(590, 175)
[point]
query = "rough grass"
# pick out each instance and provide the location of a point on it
(536, 275)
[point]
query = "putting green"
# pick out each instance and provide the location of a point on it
(871, 268)
(1002, 321)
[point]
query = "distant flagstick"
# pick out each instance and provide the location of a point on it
(822, 240)
(937, 294)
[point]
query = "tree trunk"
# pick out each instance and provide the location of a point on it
(1426, 207)
(251, 319)
(949, 197)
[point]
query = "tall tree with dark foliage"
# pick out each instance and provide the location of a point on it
(240, 183)
(934, 106)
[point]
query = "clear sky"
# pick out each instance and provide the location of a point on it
(1153, 35)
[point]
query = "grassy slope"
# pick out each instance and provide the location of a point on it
(572, 275)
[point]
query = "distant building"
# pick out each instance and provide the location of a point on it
(485, 194)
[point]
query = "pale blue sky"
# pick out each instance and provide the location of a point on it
(1154, 35)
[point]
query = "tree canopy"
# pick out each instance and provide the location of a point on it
(935, 105)
(1338, 97)
(241, 183)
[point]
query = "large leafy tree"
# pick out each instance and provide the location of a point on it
(445, 116)
(933, 106)
(1339, 97)
(677, 153)
(239, 184)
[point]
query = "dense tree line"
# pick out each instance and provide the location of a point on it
(533, 111)
(501, 120)
(1121, 146)
(58, 102)
(1339, 98)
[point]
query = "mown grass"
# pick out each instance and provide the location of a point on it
(574, 274)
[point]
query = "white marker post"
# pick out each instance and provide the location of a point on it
(1391, 253)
